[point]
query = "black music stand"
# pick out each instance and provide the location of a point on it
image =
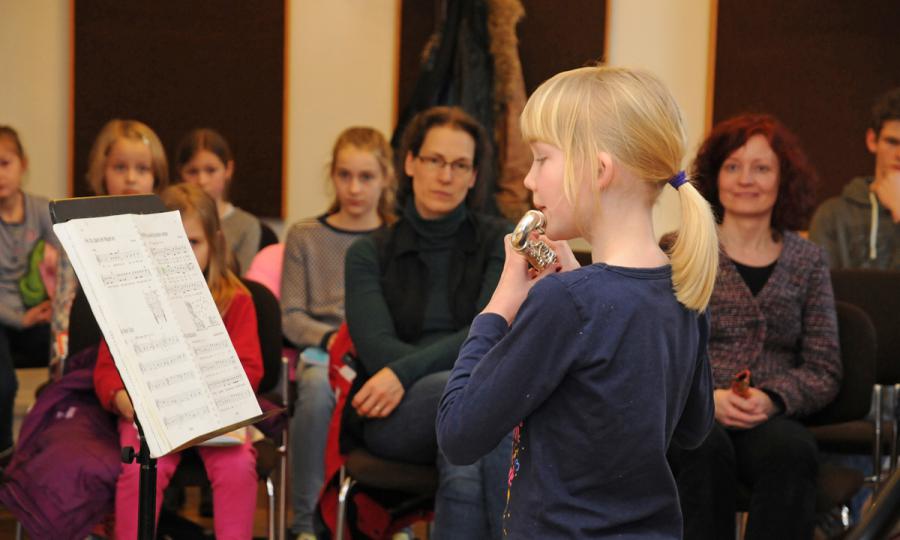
(62, 211)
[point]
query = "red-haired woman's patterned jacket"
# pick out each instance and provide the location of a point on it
(787, 335)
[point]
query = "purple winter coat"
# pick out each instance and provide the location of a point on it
(62, 478)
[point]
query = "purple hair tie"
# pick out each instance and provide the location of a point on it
(678, 180)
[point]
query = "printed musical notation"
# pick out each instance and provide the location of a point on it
(116, 258)
(165, 382)
(161, 324)
(228, 401)
(126, 278)
(226, 382)
(216, 364)
(156, 344)
(186, 417)
(178, 398)
(207, 349)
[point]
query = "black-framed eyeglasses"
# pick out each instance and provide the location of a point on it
(437, 163)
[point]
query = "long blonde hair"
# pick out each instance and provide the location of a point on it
(132, 130)
(631, 115)
(191, 200)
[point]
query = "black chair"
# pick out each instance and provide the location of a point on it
(405, 490)
(271, 453)
(267, 236)
(876, 292)
(84, 331)
(840, 419)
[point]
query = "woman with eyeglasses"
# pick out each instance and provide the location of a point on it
(412, 290)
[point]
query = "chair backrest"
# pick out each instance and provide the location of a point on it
(877, 292)
(267, 236)
(266, 268)
(857, 337)
(268, 323)
(84, 331)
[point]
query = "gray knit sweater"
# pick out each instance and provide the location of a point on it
(312, 280)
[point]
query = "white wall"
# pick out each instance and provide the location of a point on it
(34, 87)
(671, 39)
(342, 72)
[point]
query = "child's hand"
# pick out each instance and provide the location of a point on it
(735, 411)
(515, 282)
(564, 254)
(123, 406)
(888, 192)
(39, 314)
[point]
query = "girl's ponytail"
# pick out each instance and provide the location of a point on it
(695, 253)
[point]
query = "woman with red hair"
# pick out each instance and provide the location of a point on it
(772, 313)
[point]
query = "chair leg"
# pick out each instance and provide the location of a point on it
(18, 531)
(270, 496)
(740, 525)
(283, 452)
(282, 488)
(876, 453)
(346, 484)
(893, 397)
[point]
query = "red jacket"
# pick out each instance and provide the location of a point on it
(240, 321)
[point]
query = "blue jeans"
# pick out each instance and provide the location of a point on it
(309, 435)
(471, 498)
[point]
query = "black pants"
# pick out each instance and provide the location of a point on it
(31, 343)
(777, 462)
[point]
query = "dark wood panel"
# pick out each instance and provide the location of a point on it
(550, 39)
(553, 38)
(177, 65)
(818, 65)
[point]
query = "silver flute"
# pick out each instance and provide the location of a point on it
(537, 252)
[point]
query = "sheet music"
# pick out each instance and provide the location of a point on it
(162, 325)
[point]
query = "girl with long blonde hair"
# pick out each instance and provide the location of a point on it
(596, 370)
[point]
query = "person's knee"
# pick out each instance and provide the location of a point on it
(237, 470)
(715, 453)
(433, 383)
(9, 383)
(313, 389)
(792, 448)
(460, 481)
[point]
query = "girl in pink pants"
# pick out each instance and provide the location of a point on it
(231, 469)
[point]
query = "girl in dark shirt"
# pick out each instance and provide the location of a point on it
(598, 368)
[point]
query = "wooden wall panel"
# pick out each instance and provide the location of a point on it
(818, 65)
(181, 64)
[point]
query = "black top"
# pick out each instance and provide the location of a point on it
(755, 276)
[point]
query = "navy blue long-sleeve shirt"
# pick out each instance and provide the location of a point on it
(601, 370)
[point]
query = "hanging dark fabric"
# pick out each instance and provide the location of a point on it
(458, 71)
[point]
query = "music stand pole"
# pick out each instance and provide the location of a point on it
(146, 487)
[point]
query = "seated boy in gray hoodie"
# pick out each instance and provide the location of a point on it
(861, 227)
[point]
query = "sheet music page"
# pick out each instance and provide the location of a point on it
(161, 324)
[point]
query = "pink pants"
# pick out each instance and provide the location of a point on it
(232, 474)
